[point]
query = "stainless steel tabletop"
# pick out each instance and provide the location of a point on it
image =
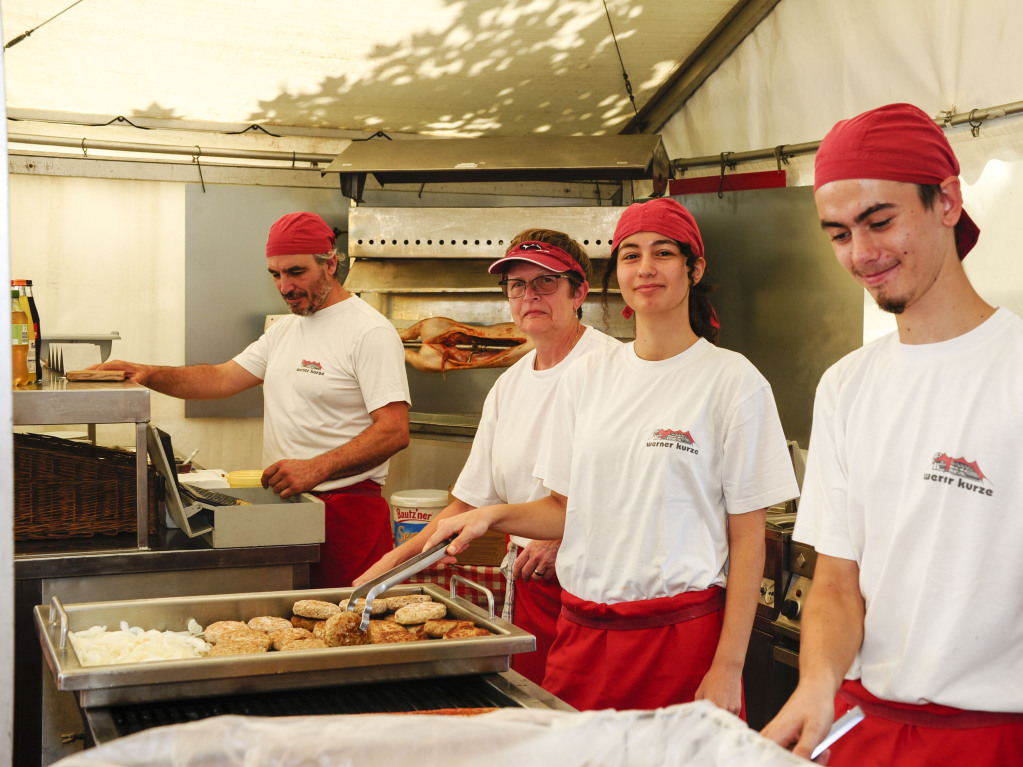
(58, 401)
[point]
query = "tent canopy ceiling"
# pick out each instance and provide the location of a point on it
(431, 67)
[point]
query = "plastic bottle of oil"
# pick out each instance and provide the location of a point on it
(19, 341)
(33, 346)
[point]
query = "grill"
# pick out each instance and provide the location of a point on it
(476, 691)
(411, 676)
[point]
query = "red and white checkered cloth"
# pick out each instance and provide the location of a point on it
(488, 577)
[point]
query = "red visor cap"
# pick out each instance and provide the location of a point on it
(897, 142)
(662, 215)
(542, 254)
(299, 234)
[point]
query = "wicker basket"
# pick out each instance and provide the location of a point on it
(67, 489)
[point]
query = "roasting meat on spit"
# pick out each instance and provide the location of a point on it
(439, 344)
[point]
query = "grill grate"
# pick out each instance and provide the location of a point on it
(385, 697)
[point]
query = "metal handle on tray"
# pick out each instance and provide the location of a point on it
(57, 609)
(456, 579)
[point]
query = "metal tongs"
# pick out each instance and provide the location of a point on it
(370, 590)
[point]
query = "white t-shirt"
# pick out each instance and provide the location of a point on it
(515, 415)
(914, 473)
(322, 376)
(653, 456)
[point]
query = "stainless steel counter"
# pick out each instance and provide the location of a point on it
(58, 400)
(171, 550)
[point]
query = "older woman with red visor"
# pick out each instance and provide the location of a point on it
(545, 278)
(660, 459)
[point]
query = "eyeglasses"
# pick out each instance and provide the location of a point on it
(543, 285)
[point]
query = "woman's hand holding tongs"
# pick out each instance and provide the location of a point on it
(465, 528)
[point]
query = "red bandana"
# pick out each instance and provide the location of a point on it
(298, 234)
(662, 215)
(897, 142)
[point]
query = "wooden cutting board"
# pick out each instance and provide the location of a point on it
(95, 375)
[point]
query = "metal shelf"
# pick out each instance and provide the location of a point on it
(58, 401)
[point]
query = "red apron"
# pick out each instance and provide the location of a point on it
(925, 735)
(537, 606)
(634, 655)
(357, 533)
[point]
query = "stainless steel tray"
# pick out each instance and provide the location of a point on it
(199, 677)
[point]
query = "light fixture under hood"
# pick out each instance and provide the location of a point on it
(526, 158)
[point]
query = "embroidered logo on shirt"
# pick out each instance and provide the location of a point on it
(959, 473)
(680, 440)
(308, 366)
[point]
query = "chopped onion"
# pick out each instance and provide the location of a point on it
(132, 644)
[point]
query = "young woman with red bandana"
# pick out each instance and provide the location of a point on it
(662, 457)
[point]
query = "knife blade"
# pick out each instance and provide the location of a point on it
(842, 725)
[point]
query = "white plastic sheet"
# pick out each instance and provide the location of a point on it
(811, 63)
(694, 734)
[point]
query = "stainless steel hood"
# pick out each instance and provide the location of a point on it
(528, 158)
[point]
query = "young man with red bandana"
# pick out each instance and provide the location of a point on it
(335, 396)
(912, 489)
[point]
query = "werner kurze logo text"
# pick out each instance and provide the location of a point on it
(677, 438)
(959, 473)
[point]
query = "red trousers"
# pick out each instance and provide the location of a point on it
(928, 735)
(637, 660)
(537, 607)
(357, 533)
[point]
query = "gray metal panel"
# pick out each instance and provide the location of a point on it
(459, 392)
(782, 298)
(228, 292)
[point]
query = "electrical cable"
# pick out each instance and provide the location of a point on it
(255, 129)
(23, 35)
(625, 74)
(378, 134)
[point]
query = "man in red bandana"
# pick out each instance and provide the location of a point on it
(912, 490)
(335, 396)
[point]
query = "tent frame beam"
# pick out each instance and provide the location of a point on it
(694, 71)
(974, 118)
